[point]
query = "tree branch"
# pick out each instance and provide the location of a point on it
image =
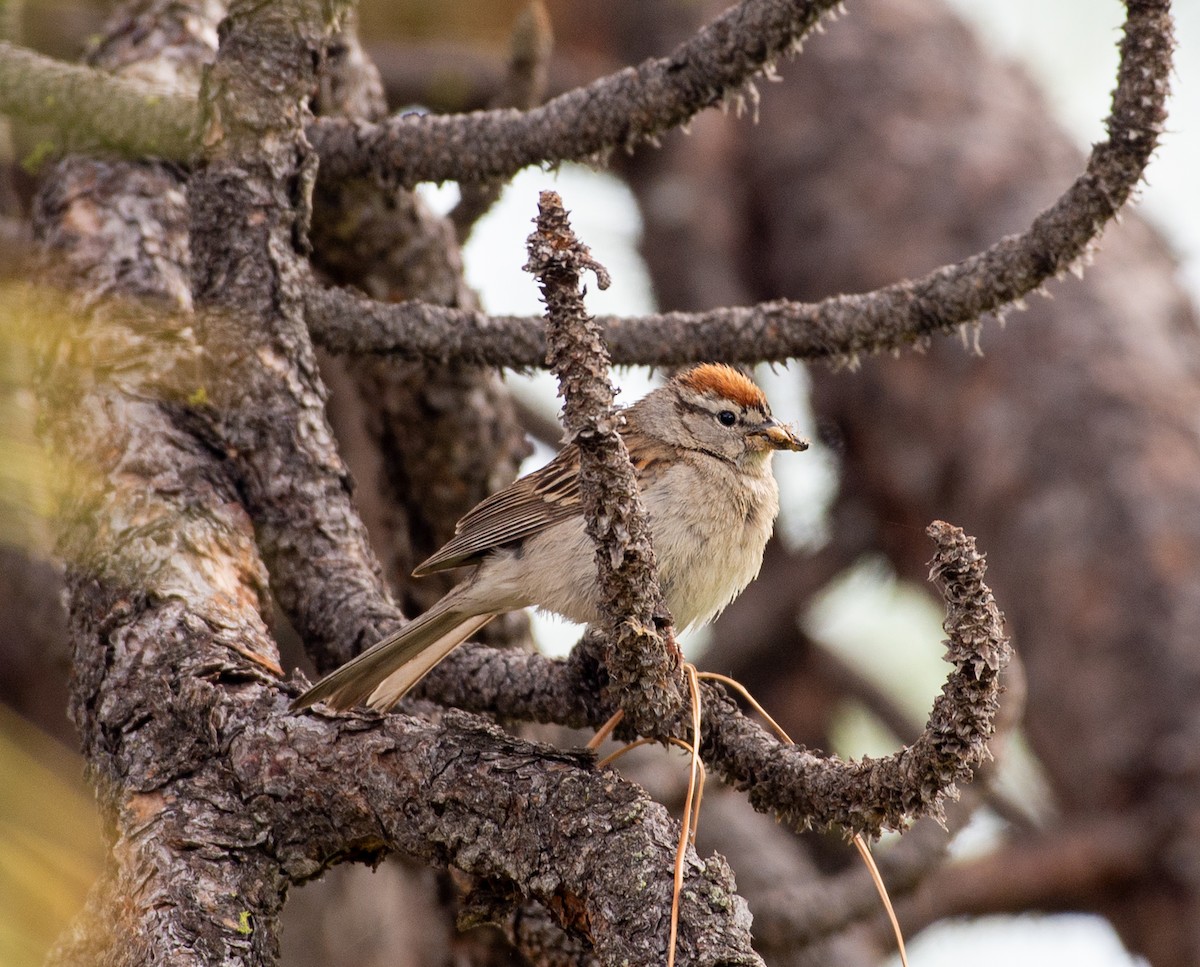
(535, 821)
(802, 789)
(838, 328)
(249, 226)
(617, 111)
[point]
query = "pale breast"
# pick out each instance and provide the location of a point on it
(710, 547)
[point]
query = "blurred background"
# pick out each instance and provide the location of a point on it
(907, 135)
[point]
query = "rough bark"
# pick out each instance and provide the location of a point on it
(425, 442)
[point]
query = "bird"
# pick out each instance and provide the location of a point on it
(701, 448)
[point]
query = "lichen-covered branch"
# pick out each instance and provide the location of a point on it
(220, 798)
(97, 109)
(643, 665)
(838, 328)
(618, 111)
(614, 112)
(535, 821)
(889, 793)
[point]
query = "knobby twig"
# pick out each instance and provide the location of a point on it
(642, 664)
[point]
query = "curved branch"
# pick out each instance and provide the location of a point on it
(873, 794)
(799, 787)
(618, 111)
(838, 328)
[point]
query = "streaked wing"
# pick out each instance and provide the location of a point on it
(524, 507)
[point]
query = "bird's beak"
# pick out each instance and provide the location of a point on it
(780, 437)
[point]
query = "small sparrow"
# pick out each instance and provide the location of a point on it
(701, 447)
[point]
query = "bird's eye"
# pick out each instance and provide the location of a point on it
(726, 418)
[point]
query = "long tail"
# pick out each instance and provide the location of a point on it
(381, 675)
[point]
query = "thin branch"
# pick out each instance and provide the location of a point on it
(643, 665)
(618, 111)
(841, 327)
(524, 686)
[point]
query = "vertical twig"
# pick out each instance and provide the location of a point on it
(643, 663)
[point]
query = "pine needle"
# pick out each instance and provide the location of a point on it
(690, 804)
(695, 793)
(860, 843)
(606, 730)
(865, 852)
(745, 693)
